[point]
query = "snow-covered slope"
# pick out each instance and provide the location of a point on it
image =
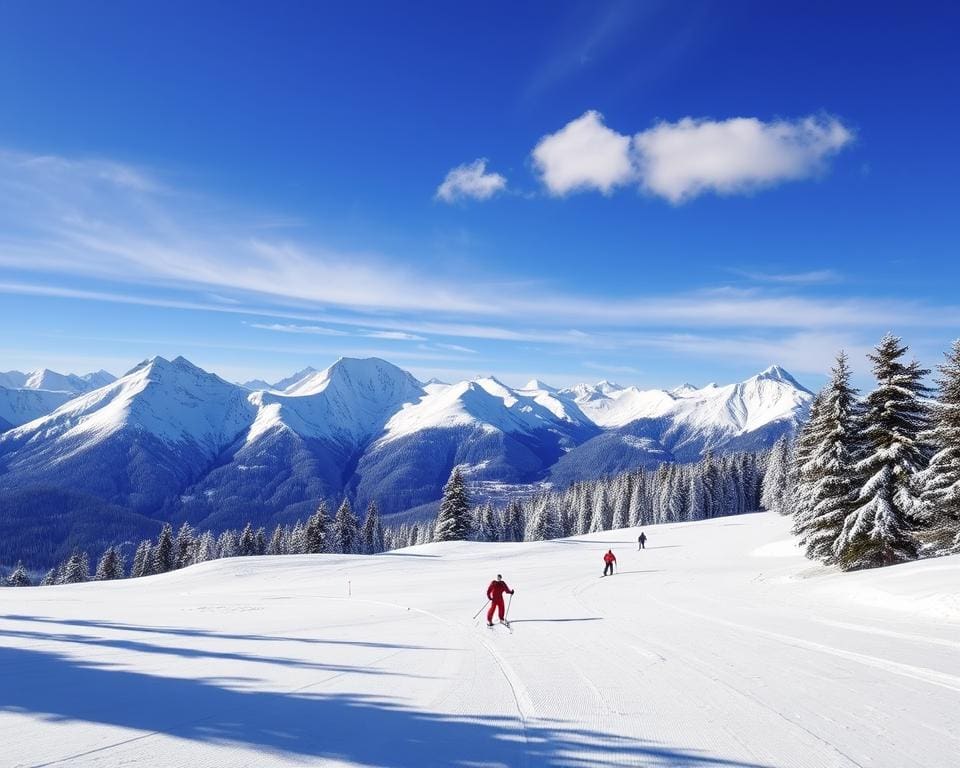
(18, 406)
(135, 441)
(718, 646)
(172, 441)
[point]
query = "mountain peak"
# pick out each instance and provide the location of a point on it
(778, 373)
(537, 384)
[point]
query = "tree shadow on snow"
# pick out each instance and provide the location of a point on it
(365, 730)
(204, 633)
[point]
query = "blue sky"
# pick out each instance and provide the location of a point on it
(643, 192)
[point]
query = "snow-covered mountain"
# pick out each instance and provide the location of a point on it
(28, 396)
(171, 441)
(44, 378)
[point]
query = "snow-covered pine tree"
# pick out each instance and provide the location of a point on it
(227, 543)
(602, 516)
(19, 577)
(110, 566)
(260, 541)
(49, 578)
(878, 530)
(142, 560)
(453, 519)
(829, 445)
(775, 495)
(799, 479)
(317, 531)
(368, 534)
(206, 548)
(247, 544)
(543, 522)
(77, 568)
(275, 547)
(185, 545)
(621, 501)
(346, 530)
(941, 480)
(163, 551)
(298, 539)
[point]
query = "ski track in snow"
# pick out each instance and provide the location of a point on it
(694, 653)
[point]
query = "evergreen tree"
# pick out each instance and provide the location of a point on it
(543, 522)
(247, 545)
(276, 545)
(453, 519)
(77, 568)
(49, 578)
(19, 577)
(776, 478)
(878, 530)
(163, 551)
(824, 489)
(298, 540)
(317, 531)
(260, 541)
(941, 480)
(110, 565)
(346, 533)
(228, 544)
(185, 547)
(142, 560)
(368, 534)
(206, 548)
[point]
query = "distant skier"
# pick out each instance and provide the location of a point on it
(495, 594)
(641, 541)
(609, 559)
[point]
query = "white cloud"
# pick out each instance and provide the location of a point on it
(812, 277)
(394, 335)
(313, 330)
(470, 180)
(681, 160)
(584, 155)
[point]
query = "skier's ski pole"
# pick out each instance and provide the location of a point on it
(481, 609)
(509, 603)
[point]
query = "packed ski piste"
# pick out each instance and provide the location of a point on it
(717, 645)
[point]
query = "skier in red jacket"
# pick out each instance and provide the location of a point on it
(495, 595)
(609, 559)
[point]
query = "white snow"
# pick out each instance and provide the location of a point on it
(693, 654)
(772, 395)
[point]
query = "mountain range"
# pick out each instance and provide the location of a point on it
(170, 441)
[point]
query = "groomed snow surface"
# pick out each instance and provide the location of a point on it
(717, 646)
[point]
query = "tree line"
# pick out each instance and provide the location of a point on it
(875, 480)
(713, 486)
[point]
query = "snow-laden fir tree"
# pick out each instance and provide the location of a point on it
(110, 566)
(77, 568)
(369, 533)
(317, 532)
(941, 480)
(878, 531)
(19, 577)
(346, 530)
(142, 560)
(227, 543)
(185, 546)
(776, 478)
(163, 551)
(247, 544)
(206, 548)
(800, 481)
(542, 524)
(277, 542)
(49, 578)
(453, 519)
(824, 489)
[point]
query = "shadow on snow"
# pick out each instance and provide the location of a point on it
(365, 730)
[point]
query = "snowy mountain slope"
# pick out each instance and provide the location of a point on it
(171, 441)
(495, 432)
(44, 378)
(646, 427)
(134, 441)
(18, 406)
(717, 647)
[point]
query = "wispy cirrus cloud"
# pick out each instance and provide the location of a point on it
(95, 232)
(682, 160)
(811, 277)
